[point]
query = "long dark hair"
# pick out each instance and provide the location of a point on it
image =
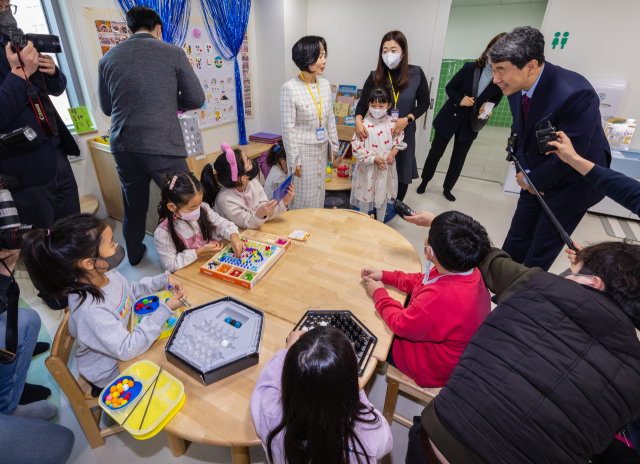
(275, 154)
(212, 181)
(381, 76)
(482, 61)
(186, 185)
(52, 256)
(320, 401)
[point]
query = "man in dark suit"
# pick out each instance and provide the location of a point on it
(143, 83)
(540, 93)
(49, 189)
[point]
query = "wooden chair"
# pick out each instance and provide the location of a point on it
(78, 391)
(400, 382)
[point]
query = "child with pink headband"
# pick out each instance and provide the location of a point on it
(236, 193)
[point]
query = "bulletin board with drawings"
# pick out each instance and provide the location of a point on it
(216, 75)
(217, 78)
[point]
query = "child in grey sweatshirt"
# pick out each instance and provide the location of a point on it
(101, 326)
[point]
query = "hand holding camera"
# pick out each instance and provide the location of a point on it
(30, 58)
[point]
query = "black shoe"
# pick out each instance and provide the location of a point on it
(41, 347)
(33, 393)
(422, 187)
(135, 263)
(448, 196)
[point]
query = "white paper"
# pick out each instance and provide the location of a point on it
(487, 109)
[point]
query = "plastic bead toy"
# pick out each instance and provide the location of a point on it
(121, 392)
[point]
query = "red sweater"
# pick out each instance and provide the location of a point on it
(433, 331)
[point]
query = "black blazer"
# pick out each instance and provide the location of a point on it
(453, 116)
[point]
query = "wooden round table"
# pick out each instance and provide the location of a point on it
(322, 273)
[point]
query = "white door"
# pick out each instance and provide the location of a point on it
(353, 30)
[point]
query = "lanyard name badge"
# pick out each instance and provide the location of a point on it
(320, 135)
(395, 113)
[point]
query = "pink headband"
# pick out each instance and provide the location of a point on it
(231, 159)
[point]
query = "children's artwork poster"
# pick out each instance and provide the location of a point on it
(217, 78)
(245, 72)
(81, 119)
(619, 132)
(111, 33)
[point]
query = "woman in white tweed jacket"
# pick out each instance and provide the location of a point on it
(301, 121)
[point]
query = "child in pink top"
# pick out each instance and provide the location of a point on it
(305, 392)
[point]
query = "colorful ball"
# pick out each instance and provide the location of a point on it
(109, 398)
(145, 301)
(108, 402)
(131, 383)
(123, 403)
(125, 387)
(115, 394)
(112, 389)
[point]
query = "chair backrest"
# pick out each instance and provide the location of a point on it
(63, 341)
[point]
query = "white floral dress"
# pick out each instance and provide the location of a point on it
(370, 185)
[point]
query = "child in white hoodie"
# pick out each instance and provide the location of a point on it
(188, 226)
(236, 194)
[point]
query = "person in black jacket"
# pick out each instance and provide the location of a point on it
(50, 190)
(615, 185)
(554, 371)
(469, 90)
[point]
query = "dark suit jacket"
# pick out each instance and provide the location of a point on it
(38, 165)
(453, 116)
(142, 84)
(570, 103)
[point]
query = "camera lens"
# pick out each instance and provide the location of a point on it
(45, 43)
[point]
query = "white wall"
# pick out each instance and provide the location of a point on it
(86, 62)
(353, 30)
(472, 28)
(602, 43)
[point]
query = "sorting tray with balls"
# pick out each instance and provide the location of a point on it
(216, 340)
(262, 252)
(361, 338)
(166, 401)
(150, 303)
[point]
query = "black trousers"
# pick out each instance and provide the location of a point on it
(42, 205)
(459, 155)
(533, 240)
(136, 171)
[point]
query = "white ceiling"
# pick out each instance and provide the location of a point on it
(466, 3)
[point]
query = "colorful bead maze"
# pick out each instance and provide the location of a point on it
(216, 340)
(262, 251)
(148, 304)
(361, 338)
(121, 392)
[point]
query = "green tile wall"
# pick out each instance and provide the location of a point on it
(501, 116)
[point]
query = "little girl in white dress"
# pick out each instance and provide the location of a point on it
(375, 176)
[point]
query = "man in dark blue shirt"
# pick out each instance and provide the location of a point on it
(50, 190)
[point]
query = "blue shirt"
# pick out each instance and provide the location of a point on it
(529, 93)
(485, 78)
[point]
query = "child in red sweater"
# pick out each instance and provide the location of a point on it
(448, 303)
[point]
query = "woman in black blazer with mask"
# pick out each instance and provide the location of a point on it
(455, 118)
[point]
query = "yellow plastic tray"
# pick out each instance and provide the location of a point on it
(167, 400)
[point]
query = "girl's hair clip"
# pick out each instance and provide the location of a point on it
(231, 159)
(173, 182)
(277, 148)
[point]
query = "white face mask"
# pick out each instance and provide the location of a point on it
(377, 114)
(392, 59)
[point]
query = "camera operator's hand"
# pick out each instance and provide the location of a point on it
(10, 257)
(423, 218)
(30, 57)
(47, 65)
(566, 152)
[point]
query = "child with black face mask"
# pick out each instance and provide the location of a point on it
(75, 259)
(237, 194)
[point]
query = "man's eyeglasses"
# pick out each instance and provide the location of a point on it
(9, 6)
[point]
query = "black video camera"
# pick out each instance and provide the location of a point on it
(43, 43)
(401, 208)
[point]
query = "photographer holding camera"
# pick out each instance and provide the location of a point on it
(40, 176)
